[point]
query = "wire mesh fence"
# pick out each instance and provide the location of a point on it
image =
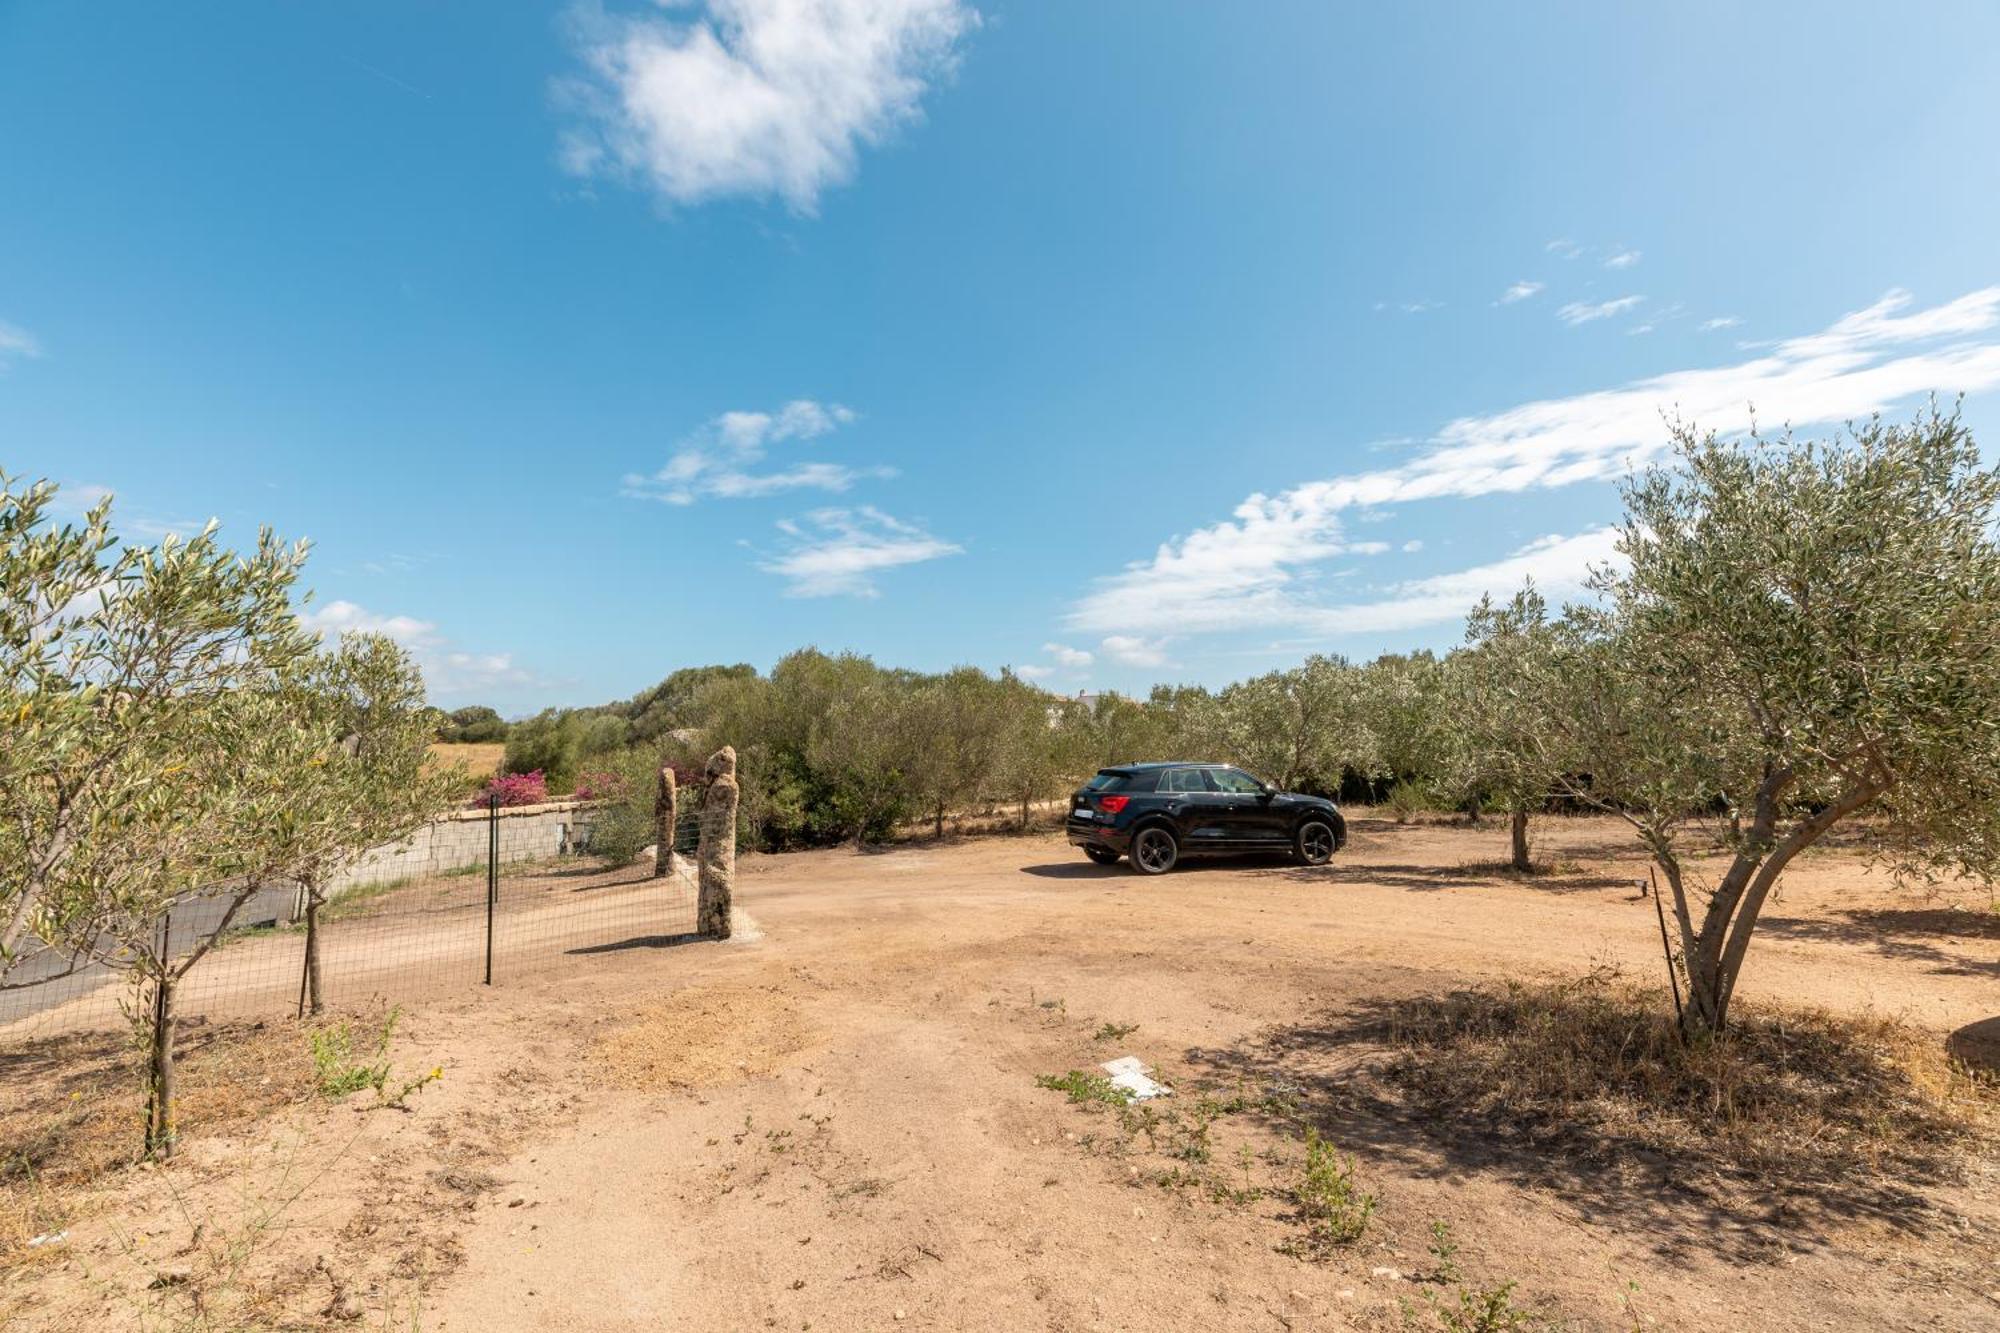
(478, 897)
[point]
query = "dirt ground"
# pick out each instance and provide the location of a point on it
(833, 1121)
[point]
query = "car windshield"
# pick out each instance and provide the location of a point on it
(1235, 780)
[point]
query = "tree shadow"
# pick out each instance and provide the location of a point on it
(1437, 878)
(1354, 1075)
(1901, 934)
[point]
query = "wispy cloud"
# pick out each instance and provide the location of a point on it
(1557, 564)
(1257, 568)
(1420, 307)
(1563, 248)
(1520, 291)
(1581, 312)
(1065, 656)
(753, 97)
(836, 552)
(450, 672)
(1621, 259)
(17, 343)
(718, 461)
(1719, 322)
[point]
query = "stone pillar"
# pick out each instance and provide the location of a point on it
(717, 856)
(666, 808)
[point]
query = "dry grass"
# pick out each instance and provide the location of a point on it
(1805, 1105)
(478, 760)
(705, 1036)
(72, 1113)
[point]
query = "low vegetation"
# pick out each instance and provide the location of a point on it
(344, 1063)
(1838, 1114)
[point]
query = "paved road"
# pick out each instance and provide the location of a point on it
(192, 922)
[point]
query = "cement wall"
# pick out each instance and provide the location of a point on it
(458, 841)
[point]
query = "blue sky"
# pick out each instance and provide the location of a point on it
(1116, 342)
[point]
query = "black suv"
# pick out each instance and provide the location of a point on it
(1158, 813)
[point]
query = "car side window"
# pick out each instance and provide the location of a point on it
(1183, 780)
(1235, 781)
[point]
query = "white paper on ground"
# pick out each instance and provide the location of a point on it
(1128, 1073)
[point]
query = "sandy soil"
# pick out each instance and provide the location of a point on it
(834, 1123)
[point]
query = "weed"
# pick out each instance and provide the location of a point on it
(1464, 1308)
(1115, 1031)
(1085, 1088)
(1335, 1210)
(339, 1069)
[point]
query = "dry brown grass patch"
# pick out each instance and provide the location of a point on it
(1803, 1103)
(479, 759)
(705, 1036)
(73, 1110)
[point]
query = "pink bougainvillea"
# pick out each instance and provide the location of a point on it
(516, 789)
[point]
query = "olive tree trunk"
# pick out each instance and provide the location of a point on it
(1712, 956)
(313, 1001)
(1519, 832)
(160, 1071)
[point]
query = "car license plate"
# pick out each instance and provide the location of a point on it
(1084, 812)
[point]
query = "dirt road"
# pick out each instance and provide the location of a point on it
(836, 1125)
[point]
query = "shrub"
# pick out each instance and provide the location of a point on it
(515, 789)
(602, 785)
(1335, 1210)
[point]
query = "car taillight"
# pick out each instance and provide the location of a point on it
(1111, 805)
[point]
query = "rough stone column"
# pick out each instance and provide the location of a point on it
(666, 807)
(717, 857)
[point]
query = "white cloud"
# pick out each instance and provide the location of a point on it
(833, 552)
(448, 672)
(754, 97)
(1558, 565)
(1413, 545)
(1130, 650)
(1622, 259)
(1579, 312)
(1520, 291)
(715, 461)
(16, 341)
(1034, 672)
(1066, 656)
(1420, 307)
(1255, 568)
(1563, 248)
(1719, 322)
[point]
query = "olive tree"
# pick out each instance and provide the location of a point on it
(1298, 727)
(367, 779)
(1501, 690)
(115, 663)
(1802, 632)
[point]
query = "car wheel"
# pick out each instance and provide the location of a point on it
(1314, 842)
(1104, 856)
(1154, 851)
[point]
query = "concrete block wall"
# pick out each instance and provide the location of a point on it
(457, 841)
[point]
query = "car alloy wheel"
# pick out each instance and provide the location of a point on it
(1316, 843)
(1154, 851)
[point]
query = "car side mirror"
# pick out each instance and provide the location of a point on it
(1266, 793)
